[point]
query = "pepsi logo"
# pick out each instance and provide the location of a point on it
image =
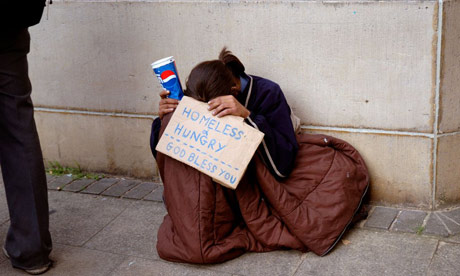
(167, 75)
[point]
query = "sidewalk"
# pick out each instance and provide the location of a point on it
(108, 227)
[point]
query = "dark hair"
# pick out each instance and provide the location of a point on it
(214, 78)
(209, 80)
(232, 62)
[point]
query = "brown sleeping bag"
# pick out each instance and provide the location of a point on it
(310, 210)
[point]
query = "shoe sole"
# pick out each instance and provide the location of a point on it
(35, 271)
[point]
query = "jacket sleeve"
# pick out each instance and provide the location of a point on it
(279, 146)
(155, 136)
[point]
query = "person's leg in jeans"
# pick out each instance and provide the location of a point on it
(28, 242)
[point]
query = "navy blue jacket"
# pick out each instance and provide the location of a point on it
(271, 114)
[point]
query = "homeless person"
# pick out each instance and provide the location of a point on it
(299, 191)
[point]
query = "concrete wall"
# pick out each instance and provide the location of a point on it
(447, 189)
(381, 75)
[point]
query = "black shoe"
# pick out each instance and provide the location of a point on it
(34, 271)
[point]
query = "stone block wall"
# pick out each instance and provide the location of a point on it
(382, 75)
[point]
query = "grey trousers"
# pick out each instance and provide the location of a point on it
(28, 241)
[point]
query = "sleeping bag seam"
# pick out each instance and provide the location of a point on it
(319, 182)
(348, 224)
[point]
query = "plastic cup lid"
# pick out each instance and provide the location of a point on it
(162, 62)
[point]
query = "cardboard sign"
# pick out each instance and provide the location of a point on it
(218, 147)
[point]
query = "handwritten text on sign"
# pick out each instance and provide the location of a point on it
(218, 147)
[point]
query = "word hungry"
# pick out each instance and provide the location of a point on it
(202, 137)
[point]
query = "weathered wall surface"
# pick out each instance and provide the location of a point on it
(448, 171)
(367, 72)
(448, 154)
(97, 143)
(400, 166)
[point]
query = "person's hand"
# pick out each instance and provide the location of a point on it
(166, 105)
(227, 105)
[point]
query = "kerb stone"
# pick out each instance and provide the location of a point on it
(50, 178)
(452, 226)
(121, 187)
(100, 186)
(381, 218)
(434, 226)
(156, 195)
(141, 190)
(78, 185)
(452, 220)
(60, 182)
(409, 221)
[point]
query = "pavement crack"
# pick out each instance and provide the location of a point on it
(432, 256)
(302, 259)
(394, 220)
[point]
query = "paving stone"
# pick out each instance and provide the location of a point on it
(453, 227)
(78, 185)
(156, 195)
(70, 261)
(100, 186)
(121, 187)
(454, 239)
(373, 253)
(3, 231)
(452, 220)
(50, 178)
(434, 226)
(134, 232)
(445, 261)
(409, 221)
(4, 262)
(282, 262)
(141, 190)
(454, 214)
(60, 182)
(381, 218)
(4, 214)
(79, 217)
(135, 266)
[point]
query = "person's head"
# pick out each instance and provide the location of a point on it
(231, 62)
(214, 78)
